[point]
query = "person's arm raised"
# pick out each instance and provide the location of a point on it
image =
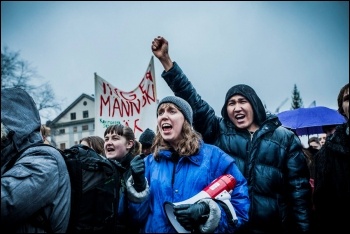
(160, 48)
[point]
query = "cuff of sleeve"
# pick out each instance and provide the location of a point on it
(214, 217)
(135, 196)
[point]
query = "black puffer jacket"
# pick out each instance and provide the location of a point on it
(332, 182)
(272, 160)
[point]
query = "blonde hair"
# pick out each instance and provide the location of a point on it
(45, 132)
(187, 146)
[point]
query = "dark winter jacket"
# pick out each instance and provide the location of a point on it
(38, 179)
(271, 160)
(332, 182)
(125, 223)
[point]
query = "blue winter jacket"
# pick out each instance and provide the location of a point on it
(176, 182)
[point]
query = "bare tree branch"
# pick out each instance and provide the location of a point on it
(16, 72)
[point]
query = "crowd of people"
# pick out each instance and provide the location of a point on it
(279, 185)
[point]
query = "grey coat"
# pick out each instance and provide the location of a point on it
(39, 177)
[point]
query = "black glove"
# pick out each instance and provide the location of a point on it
(138, 173)
(191, 216)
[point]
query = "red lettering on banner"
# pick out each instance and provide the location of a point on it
(149, 76)
(126, 108)
(148, 93)
(135, 125)
(105, 103)
(104, 88)
(127, 103)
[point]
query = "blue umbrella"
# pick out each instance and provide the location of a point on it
(307, 121)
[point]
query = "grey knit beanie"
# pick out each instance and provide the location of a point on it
(184, 107)
(146, 138)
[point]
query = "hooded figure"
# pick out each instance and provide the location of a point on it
(250, 95)
(33, 180)
(268, 155)
(146, 140)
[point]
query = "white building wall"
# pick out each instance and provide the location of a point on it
(66, 124)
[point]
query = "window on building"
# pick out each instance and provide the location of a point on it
(85, 114)
(73, 116)
(85, 127)
(62, 146)
(62, 131)
(75, 129)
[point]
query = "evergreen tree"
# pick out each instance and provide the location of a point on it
(297, 102)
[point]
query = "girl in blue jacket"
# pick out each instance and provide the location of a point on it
(179, 168)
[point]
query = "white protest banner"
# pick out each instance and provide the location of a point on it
(136, 108)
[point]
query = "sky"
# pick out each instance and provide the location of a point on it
(269, 45)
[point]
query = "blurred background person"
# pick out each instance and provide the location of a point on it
(45, 133)
(94, 142)
(314, 143)
(146, 140)
(328, 130)
(314, 147)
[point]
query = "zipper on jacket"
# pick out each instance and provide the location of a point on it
(175, 158)
(251, 135)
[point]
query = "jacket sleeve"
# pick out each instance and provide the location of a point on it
(239, 195)
(204, 119)
(298, 176)
(140, 208)
(239, 200)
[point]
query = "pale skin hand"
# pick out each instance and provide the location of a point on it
(160, 48)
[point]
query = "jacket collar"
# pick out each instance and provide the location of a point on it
(195, 159)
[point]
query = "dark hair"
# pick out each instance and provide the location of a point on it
(127, 132)
(340, 99)
(96, 143)
(313, 139)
